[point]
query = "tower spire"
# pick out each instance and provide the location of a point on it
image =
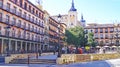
(82, 19)
(73, 7)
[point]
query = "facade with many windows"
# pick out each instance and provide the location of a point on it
(25, 28)
(21, 26)
(103, 33)
(56, 34)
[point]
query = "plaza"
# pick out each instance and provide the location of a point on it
(31, 37)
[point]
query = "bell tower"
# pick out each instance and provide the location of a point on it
(72, 16)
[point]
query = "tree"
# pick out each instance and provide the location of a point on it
(75, 36)
(90, 39)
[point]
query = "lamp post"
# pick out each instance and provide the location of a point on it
(116, 35)
(59, 47)
(8, 44)
(111, 40)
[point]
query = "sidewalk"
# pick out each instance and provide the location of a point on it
(46, 57)
(105, 63)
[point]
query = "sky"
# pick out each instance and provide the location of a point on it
(94, 11)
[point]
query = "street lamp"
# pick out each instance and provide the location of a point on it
(8, 44)
(116, 35)
(59, 47)
(111, 40)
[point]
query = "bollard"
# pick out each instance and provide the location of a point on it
(28, 59)
(36, 55)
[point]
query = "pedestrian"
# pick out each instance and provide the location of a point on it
(68, 51)
(80, 51)
(54, 51)
(22, 51)
(36, 55)
(40, 52)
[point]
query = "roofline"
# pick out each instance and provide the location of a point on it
(34, 5)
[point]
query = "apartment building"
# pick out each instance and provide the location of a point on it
(21, 26)
(102, 33)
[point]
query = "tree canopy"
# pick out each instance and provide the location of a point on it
(75, 36)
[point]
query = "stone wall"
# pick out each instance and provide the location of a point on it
(16, 56)
(73, 58)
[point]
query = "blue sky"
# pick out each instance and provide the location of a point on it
(94, 11)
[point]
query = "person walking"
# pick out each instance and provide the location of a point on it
(40, 52)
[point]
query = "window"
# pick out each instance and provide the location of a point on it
(42, 16)
(29, 16)
(13, 32)
(8, 7)
(39, 30)
(7, 19)
(35, 37)
(0, 30)
(36, 21)
(20, 12)
(24, 34)
(101, 30)
(24, 25)
(96, 30)
(27, 35)
(19, 23)
(35, 29)
(25, 6)
(24, 16)
(42, 39)
(36, 12)
(15, 1)
(39, 15)
(71, 23)
(20, 2)
(42, 24)
(39, 22)
(33, 10)
(14, 9)
(28, 26)
(32, 27)
(111, 30)
(32, 37)
(96, 36)
(101, 36)
(19, 34)
(106, 30)
(29, 8)
(33, 19)
(0, 16)
(106, 36)
(1, 3)
(14, 21)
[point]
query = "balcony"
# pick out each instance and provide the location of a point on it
(20, 15)
(24, 16)
(96, 38)
(101, 31)
(106, 37)
(111, 31)
(106, 31)
(101, 37)
(19, 25)
(13, 23)
(96, 31)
